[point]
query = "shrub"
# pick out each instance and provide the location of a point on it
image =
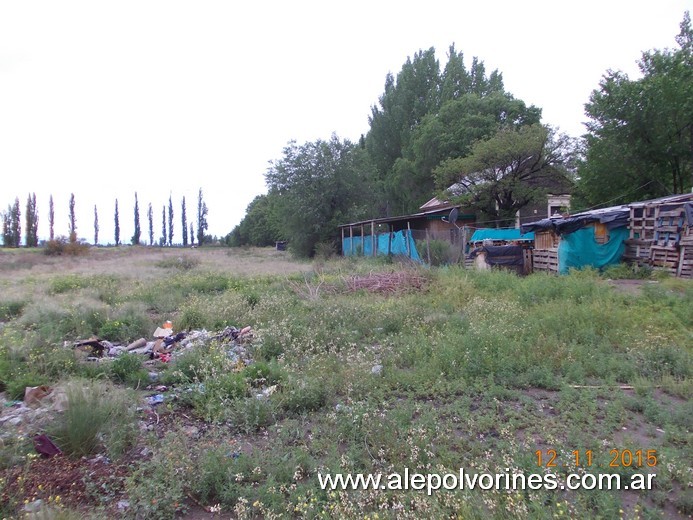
(127, 368)
(96, 414)
(627, 271)
(183, 263)
(11, 309)
(303, 396)
(442, 252)
(62, 246)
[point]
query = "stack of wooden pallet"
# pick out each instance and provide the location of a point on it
(666, 251)
(641, 226)
(546, 259)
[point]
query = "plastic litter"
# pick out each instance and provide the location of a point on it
(46, 447)
(155, 399)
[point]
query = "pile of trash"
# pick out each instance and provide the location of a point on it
(165, 345)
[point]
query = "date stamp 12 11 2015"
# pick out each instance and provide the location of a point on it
(616, 458)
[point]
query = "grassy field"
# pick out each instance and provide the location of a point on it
(354, 366)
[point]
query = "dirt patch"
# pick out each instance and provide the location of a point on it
(632, 287)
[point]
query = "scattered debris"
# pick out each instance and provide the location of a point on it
(136, 344)
(377, 370)
(46, 447)
(34, 394)
(155, 399)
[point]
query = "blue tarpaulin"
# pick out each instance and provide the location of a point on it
(394, 244)
(580, 249)
(500, 234)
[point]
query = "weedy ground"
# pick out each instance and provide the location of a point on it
(484, 371)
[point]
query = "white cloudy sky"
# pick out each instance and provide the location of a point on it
(102, 99)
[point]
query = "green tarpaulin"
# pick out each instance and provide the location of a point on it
(580, 249)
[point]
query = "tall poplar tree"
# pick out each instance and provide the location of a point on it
(117, 224)
(184, 222)
(31, 217)
(201, 218)
(96, 226)
(51, 219)
(73, 219)
(135, 240)
(163, 225)
(170, 221)
(150, 216)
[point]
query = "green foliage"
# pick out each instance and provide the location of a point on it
(12, 225)
(127, 324)
(627, 272)
(127, 369)
(640, 135)
(318, 186)
(62, 246)
(508, 171)
(97, 414)
(442, 252)
(158, 486)
(11, 309)
(260, 226)
(303, 396)
(183, 263)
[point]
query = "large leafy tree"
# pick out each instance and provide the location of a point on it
(510, 170)
(639, 143)
(425, 117)
(319, 185)
(450, 133)
(401, 108)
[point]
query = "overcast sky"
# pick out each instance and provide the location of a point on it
(102, 99)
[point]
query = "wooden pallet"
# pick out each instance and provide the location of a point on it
(545, 260)
(665, 258)
(637, 251)
(685, 269)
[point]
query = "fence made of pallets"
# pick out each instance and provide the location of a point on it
(545, 260)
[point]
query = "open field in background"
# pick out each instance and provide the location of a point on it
(354, 366)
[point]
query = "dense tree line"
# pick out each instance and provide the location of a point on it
(456, 133)
(425, 120)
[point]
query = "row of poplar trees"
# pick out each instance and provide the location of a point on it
(12, 223)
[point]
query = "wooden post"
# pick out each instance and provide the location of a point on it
(389, 240)
(374, 250)
(428, 247)
(351, 239)
(363, 251)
